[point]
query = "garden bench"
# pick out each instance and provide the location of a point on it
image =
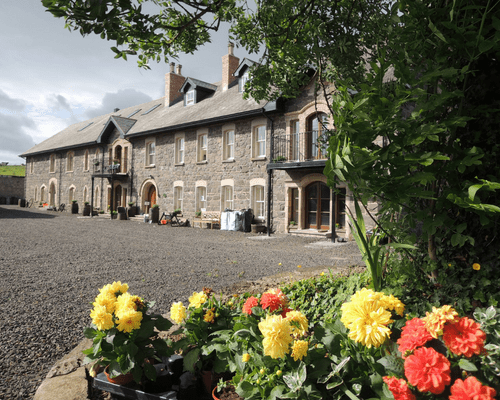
(208, 217)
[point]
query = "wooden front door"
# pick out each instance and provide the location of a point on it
(151, 196)
(318, 206)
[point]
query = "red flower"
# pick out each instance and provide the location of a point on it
(249, 304)
(471, 389)
(464, 337)
(285, 311)
(413, 335)
(399, 388)
(428, 370)
(274, 299)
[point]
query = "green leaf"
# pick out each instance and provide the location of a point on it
(467, 365)
(150, 371)
(190, 359)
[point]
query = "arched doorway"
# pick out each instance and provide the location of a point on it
(317, 206)
(148, 196)
(52, 194)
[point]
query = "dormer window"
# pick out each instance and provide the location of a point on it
(190, 97)
(244, 79)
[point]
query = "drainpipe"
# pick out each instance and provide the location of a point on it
(269, 176)
(59, 183)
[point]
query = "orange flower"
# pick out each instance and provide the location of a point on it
(399, 388)
(413, 335)
(476, 266)
(471, 389)
(249, 304)
(464, 337)
(428, 370)
(274, 299)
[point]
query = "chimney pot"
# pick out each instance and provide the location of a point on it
(172, 67)
(179, 67)
(116, 110)
(230, 48)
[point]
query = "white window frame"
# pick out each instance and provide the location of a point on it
(227, 197)
(179, 150)
(202, 148)
(201, 198)
(178, 195)
(259, 141)
(257, 201)
(190, 97)
(245, 77)
(150, 153)
(71, 194)
(228, 144)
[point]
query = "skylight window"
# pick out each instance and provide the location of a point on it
(135, 112)
(152, 109)
(86, 126)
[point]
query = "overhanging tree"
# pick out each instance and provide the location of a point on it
(415, 104)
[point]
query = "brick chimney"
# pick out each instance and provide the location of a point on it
(229, 65)
(173, 82)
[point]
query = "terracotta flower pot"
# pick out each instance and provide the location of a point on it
(120, 379)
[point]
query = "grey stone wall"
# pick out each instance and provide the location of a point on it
(11, 188)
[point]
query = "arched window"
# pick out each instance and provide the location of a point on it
(316, 146)
(69, 161)
(52, 167)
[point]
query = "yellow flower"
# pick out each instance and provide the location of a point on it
(197, 299)
(476, 266)
(392, 303)
(101, 318)
(129, 320)
(298, 323)
(178, 312)
(279, 372)
(245, 357)
(366, 318)
(119, 287)
(125, 302)
(277, 336)
(262, 371)
(299, 349)
(322, 274)
(279, 264)
(434, 321)
(299, 266)
(209, 316)
(107, 299)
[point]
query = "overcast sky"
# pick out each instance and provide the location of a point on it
(51, 77)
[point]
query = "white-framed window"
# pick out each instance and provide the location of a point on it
(52, 165)
(179, 150)
(86, 161)
(69, 161)
(202, 147)
(294, 140)
(259, 141)
(97, 160)
(226, 197)
(36, 194)
(178, 193)
(150, 153)
(201, 198)
(257, 201)
(190, 97)
(228, 144)
(244, 79)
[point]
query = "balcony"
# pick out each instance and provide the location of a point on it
(113, 171)
(299, 150)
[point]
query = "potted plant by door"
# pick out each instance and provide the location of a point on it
(74, 206)
(131, 210)
(154, 213)
(86, 209)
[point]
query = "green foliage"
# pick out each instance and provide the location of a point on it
(13, 170)
(490, 323)
(321, 297)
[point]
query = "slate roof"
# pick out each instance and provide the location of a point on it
(221, 107)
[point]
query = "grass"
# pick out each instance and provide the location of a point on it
(13, 170)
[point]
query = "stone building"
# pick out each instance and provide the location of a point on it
(201, 146)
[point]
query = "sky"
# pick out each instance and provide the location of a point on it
(51, 78)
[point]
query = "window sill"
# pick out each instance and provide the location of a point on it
(69, 172)
(264, 158)
(229, 160)
(179, 164)
(150, 166)
(202, 162)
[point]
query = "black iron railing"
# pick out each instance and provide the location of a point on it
(299, 147)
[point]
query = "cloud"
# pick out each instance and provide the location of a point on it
(121, 99)
(59, 102)
(10, 104)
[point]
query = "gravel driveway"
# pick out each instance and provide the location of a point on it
(52, 265)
